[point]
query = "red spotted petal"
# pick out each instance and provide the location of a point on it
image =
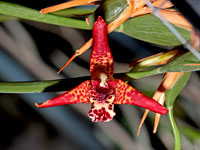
(79, 94)
(126, 94)
(101, 60)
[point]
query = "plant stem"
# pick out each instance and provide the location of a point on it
(177, 138)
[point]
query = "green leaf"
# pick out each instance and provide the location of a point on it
(180, 64)
(190, 133)
(111, 10)
(173, 92)
(47, 86)
(147, 28)
(141, 74)
(177, 65)
(19, 11)
(25, 87)
(150, 29)
(41, 86)
(170, 96)
(5, 18)
(75, 11)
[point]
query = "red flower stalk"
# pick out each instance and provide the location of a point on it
(103, 91)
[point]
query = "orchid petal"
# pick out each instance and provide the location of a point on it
(126, 94)
(79, 94)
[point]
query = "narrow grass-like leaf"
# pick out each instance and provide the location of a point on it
(150, 29)
(5, 18)
(191, 133)
(141, 74)
(22, 12)
(26, 87)
(41, 86)
(48, 85)
(170, 96)
(174, 91)
(182, 64)
(75, 11)
(147, 28)
(179, 64)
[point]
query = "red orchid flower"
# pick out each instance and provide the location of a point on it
(103, 91)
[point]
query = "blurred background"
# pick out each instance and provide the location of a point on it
(32, 51)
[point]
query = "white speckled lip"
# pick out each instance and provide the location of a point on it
(101, 112)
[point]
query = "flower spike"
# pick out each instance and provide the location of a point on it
(103, 91)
